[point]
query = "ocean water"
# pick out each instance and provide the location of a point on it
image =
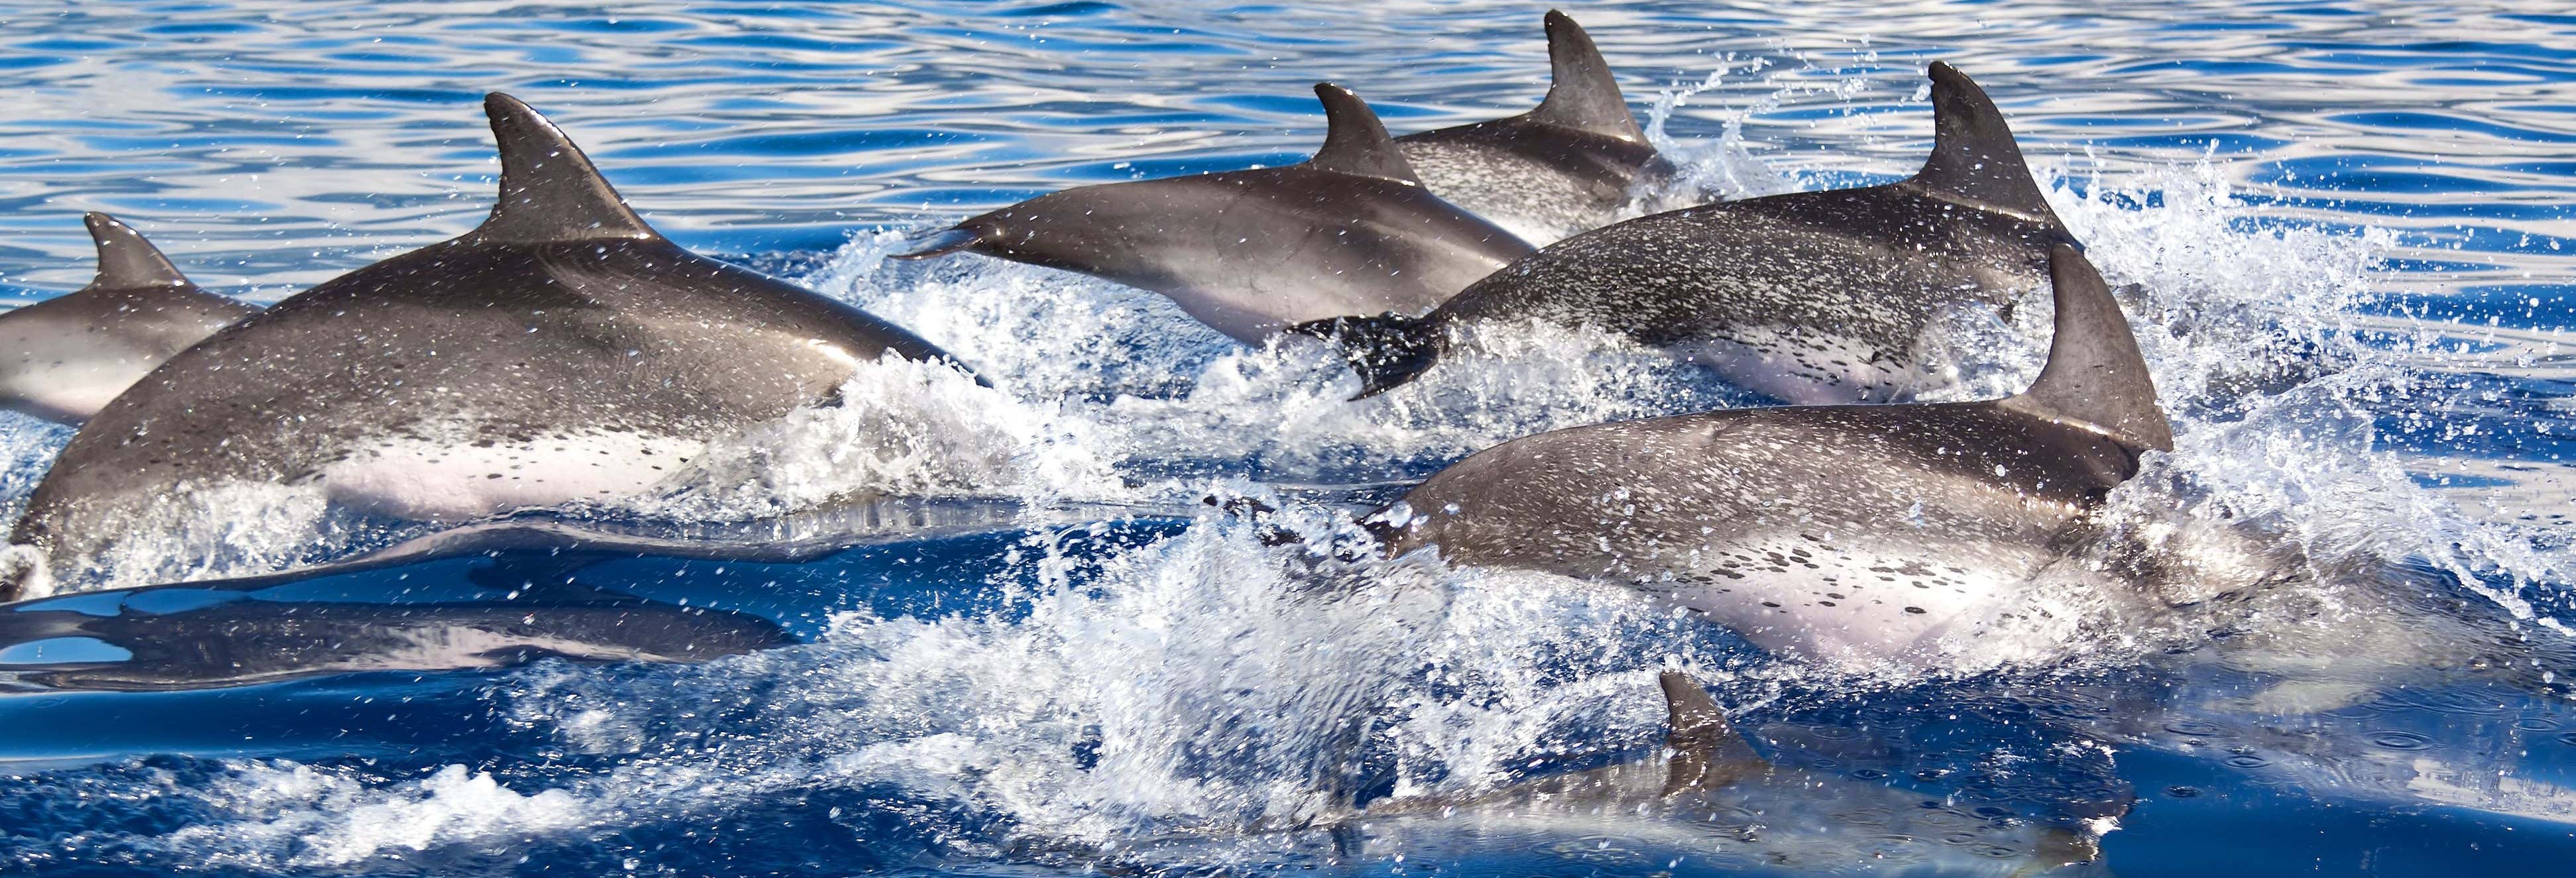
(2349, 226)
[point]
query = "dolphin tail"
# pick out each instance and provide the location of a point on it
(941, 243)
(1707, 751)
(1386, 350)
(1973, 153)
(1581, 93)
(2095, 377)
(126, 261)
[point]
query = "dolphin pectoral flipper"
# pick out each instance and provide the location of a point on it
(2095, 377)
(1973, 153)
(1707, 751)
(549, 189)
(128, 262)
(1355, 142)
(1385, 351)
(1582, 94)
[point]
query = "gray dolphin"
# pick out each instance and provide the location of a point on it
(1860, 534)
(1351, 231)
(1811, 297)
(237, 637)
(1563, 168)
(68, 355)
(561, 351)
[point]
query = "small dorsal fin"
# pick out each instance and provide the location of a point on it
(2095, 377)
(1355, 142)
(549, 190)
(126, 261)
(1707, 751)
(1973, 152)
(1581, 93)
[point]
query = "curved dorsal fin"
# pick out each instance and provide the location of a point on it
(1581, 93)
(1973, 153)
(2094, 377)
(1707, 751)
(1355, 142)
(549, 190)
(126, 261)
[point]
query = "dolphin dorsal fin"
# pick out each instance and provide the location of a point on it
(549, 189)
(1973, 152)
(1355, 142)
(1581, 93)
(1707, 751)
(2095, 377)
(126, 261)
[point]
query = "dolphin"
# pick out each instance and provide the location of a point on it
(1248, 253)
(1863, 535)
(1563, 168)
(562, 351)
(234, 638)
(1712, 794)
(1810, 297)
(70, 354)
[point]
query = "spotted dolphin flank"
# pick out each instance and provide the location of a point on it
(1352, 231)
(1567, 167)
(68, 355)
(1864, 535)
(562, 351)
(1810, 297)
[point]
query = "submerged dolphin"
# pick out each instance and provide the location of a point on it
(236, 638)
(1563, 168)
(70, 354)
(1811, 297)
(1713, 792)
(1860, 534)
(562, 351)
(1251, 252)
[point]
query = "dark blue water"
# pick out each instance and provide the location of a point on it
(2351, 224)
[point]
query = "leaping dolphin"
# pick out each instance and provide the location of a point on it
(70, 354)
(1564, 168)
(1810, 297)
(1859, 534)
(561, 351)
(1351, 231)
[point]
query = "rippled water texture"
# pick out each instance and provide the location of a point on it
(2348, 227)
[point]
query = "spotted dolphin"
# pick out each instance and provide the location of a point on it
(1352, 230)
(213, 635)
(1863, 535)
(562, 351)
(1567, 167)
(68, 355)
(1711, 792)
(1810, 297)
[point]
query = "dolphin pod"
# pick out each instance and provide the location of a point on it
(1810, 297)
(67, 356)
(562, 351)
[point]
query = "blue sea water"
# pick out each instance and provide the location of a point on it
(2350, 225)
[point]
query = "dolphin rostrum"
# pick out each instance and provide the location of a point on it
(1864, 535)
(1561, 169)
(1810, 297)
(562, 351)
(1352, 230)
(70, 354)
